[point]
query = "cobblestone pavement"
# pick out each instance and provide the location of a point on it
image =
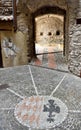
(36, 98)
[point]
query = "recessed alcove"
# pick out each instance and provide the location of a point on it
(57, 32)
(49, 33)
(41, 33)
(49, 30)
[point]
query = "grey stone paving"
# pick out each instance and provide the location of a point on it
(59, 61)
(23, 83)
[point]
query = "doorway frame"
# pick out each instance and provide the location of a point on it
(50, 10)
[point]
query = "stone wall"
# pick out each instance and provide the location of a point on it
(36, 4)
(6, 8)
(75, 38)
(25, 26)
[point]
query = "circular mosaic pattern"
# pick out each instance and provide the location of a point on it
(41, 112)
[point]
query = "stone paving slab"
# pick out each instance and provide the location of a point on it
(8, 100)
(46, 80)
(51, 60)
(27, 81)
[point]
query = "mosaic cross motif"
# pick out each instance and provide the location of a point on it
(41, 112)
(51, 107)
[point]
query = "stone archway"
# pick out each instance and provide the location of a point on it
(28, 10)
(47, 10)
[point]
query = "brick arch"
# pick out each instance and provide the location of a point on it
(37, 4)
(49, 9)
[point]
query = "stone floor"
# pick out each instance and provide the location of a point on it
(50, 57)
(38, 98)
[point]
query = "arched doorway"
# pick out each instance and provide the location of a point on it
(57, 13)
(49, 33)
(52, 34)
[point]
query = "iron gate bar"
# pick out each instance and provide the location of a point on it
(49, 52)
